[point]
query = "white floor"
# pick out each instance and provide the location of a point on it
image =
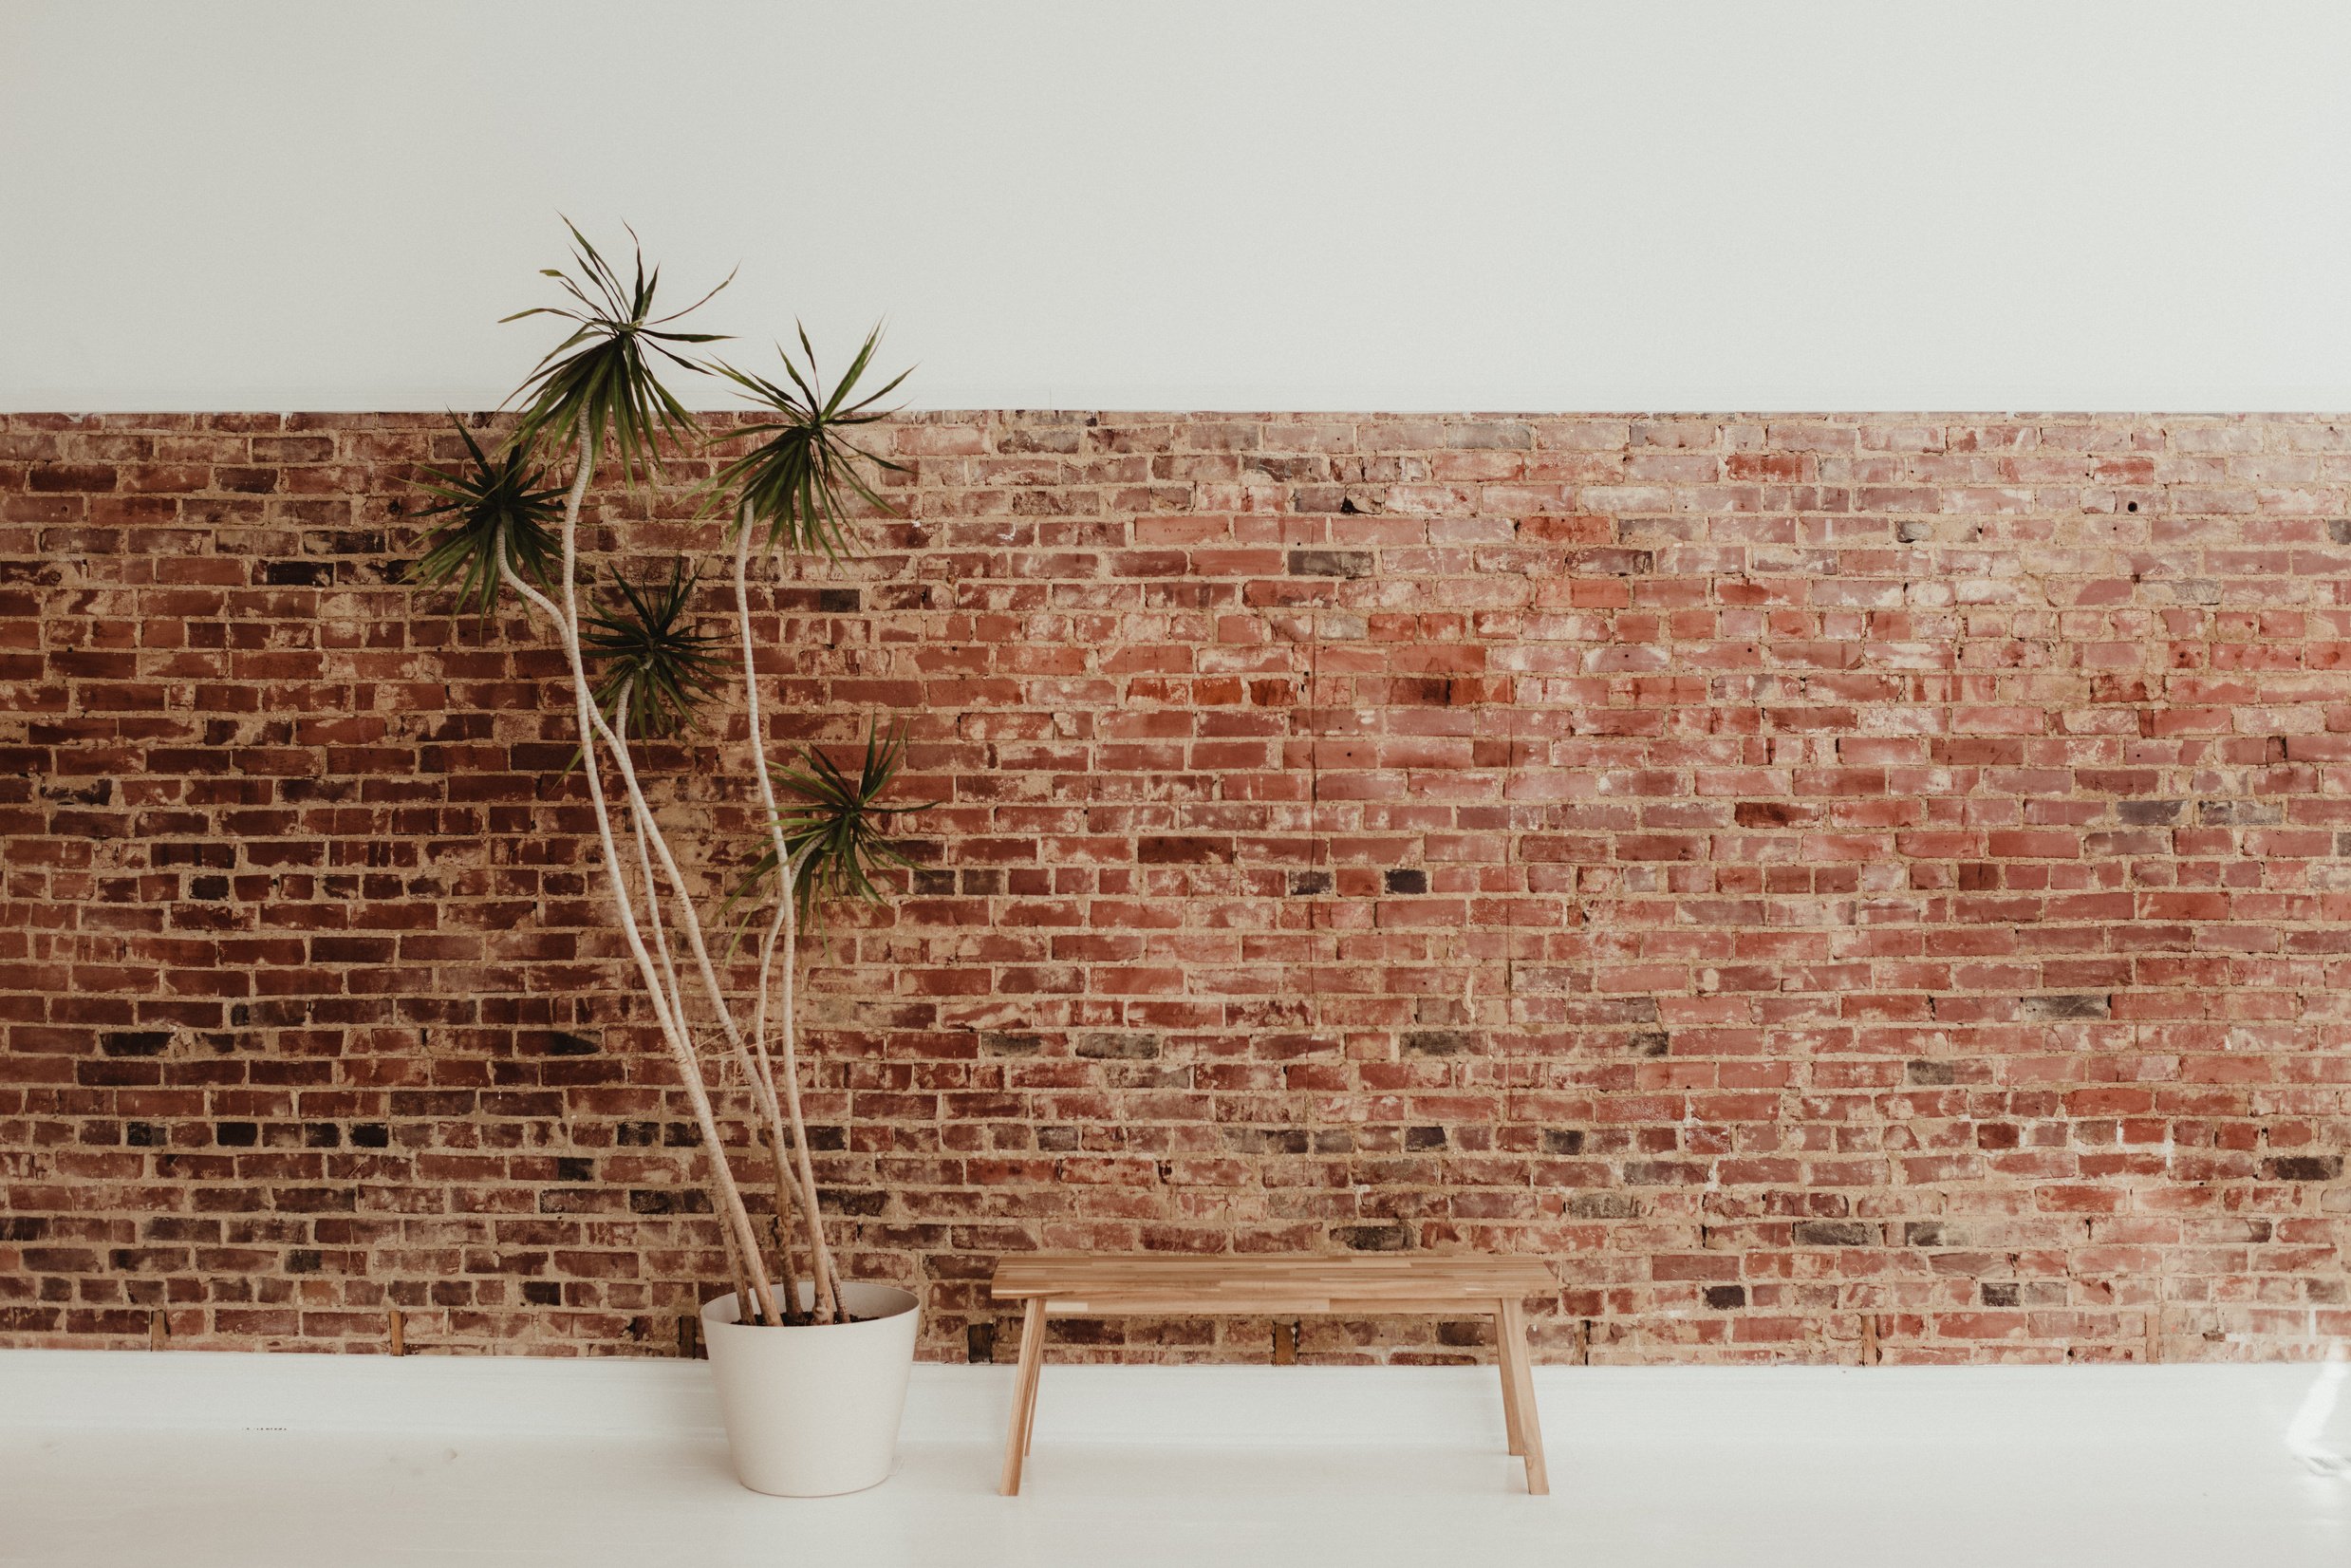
(167, 1460)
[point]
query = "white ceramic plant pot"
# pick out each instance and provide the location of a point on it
(812, 1410)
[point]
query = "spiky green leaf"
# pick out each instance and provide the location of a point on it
(605, 380)
(496, 507)
(799, 480)
(651, 653)
(836, 831)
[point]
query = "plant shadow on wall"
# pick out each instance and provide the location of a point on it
(638, 666)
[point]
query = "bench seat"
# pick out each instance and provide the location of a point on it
(1092, 1284)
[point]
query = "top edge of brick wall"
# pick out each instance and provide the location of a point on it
(305, 419)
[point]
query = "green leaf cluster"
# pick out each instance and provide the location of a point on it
(600, 392)
(603, 382)
(796, 481)
(500, 507)
(652, 652)
(837, 832)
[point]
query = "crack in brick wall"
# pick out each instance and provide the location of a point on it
(1864, 887)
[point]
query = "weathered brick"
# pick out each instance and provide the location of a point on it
(1776, 870)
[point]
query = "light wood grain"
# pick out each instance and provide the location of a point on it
(1510, 1336)
(1115, 1284)
(1420, 1280)
(1510, 1383)
(1024, 1395)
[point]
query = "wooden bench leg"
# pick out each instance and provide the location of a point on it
(1024, 1395)
(1521, 1379)
(1510, 1386)
(1028, 1421)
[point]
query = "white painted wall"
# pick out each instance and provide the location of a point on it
(1443, 204)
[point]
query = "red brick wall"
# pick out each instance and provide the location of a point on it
(1834, 887)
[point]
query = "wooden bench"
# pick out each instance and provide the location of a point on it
(1086, 1284)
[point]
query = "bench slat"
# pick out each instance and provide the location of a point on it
(1121, 1283)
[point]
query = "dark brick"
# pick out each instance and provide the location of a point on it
(135, 1042)
(1000, 1043)
(1834, 1233)
(1265, 1140)
(1438, 1042)
(65, 478)
(1372, 1238)
(1330, 562)
(1103, 1046)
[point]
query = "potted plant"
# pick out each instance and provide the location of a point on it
(810, 1369)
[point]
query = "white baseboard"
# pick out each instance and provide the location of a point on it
(1443, 1406)
(518, 1395)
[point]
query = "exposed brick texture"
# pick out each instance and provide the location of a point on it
(1834, 887)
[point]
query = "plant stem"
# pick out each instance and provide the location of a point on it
(788, 877)
(689, 1065)
(820, 1256)
(741, 1268)
(762, 1083)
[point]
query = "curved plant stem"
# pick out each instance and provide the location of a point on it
(764, 1044)
(659, 927)
(787, 868)
(755, 1069)
(772, 1124)
(790, 1066)
(762, 1083)
(731, 1212)
(654, 922)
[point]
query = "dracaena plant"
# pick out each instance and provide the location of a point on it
(640, 663)
(496, 510)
